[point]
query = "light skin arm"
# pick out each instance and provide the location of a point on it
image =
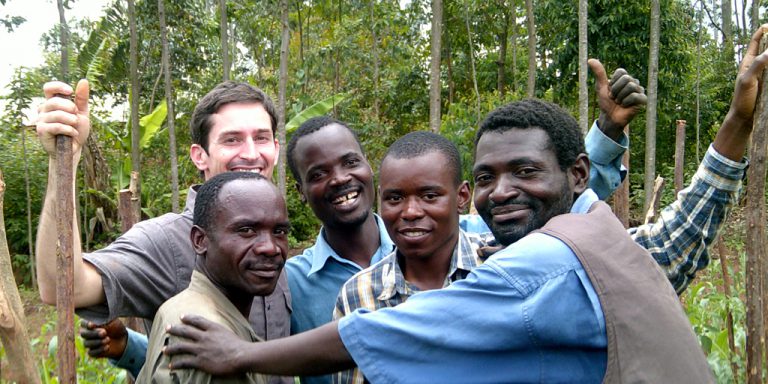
(733, 136)
(216, 350)
(59, 115)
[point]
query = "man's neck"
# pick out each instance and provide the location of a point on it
(427, 272)
(240, 300)
(356, 244)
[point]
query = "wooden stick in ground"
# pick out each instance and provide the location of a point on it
(21, 366)
(679, 155)
(65, 307)
(621, 196)
(128, 217)
(756, 247)
(722, 252)
(658, 188)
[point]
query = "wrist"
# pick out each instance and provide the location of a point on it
(609, 128)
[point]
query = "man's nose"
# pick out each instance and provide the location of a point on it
(249, 149)
(266, 244)
(505, 189)
(412, 209)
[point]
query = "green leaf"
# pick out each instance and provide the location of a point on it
(318, 109)
(150, 124)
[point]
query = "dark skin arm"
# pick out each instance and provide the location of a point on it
(733, 136)
(216, 350)
(106, 340)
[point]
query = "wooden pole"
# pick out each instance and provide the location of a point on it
(722, 252)
(621, 196)
(13, 324)
(756, 247)
(658, 188)
(679, 155)
(64, 261)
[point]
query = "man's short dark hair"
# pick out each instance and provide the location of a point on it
(564, 134)
(420, 143)
(208, 193)
(307, 128)
(225, 93)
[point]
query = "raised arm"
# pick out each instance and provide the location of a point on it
(60, 115)
(680, 238)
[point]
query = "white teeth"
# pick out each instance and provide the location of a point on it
(414, 233)
(346, 199)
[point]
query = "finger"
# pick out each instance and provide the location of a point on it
(95, 343)
(619, 85)
(58, 117)
(52, 88)
(635, 100)
(58, 104)
(97, 352)
(601, 79)
(629, 89)
(92, 334)
(56, 129)
(197, 321)
(619, 73)
(752, 49)
(85, 324)
(82, 92)
(183, 362)
(179, 348)
(184, 331)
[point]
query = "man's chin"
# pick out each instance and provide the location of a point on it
(507, 236)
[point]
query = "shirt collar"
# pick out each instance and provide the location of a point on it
(463, 260)
(323, 251)
(584, 201)
(189, 207)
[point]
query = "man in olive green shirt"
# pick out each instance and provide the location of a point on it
(240, 235)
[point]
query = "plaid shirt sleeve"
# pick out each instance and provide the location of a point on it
(680, 238)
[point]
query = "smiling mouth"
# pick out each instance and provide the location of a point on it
(413, 233)
(346, 199)
(251, 170)
(510, 213)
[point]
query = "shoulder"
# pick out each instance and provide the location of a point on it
(532, 261)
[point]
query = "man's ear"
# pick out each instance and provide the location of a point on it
(578, 174)
(301, 192)
(199, 157)
(277, 153)
(463, 197)
(199, 240)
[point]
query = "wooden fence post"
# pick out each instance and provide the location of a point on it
(756, 247)
(679, 155)
(621, 196)
(13, 323)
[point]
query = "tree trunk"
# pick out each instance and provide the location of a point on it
(171, 116)
(698, 87)
(755, 15)
(679, 155)
(501, 80)
(224, 30)
(135, 91)
(756, 247)
(531, 87)
(286, 35)
(472, 63)
(434, 67)
(375, 52)
(30, 240)
(583, 92)
(514, 47)
(650, 120)
(449, 69)
(727, 31)
(727, 283)
(13, 323)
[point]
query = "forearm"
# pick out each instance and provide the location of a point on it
(315, 352)
(732, 137)
(87, 282)
(134, 355)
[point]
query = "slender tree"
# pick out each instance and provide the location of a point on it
(376, 62)
(583, 93)
(434, 67)
(224, 31)
(501, 80)
(531, 88)
(472, 62)
(169, 101)
(285, 39)
(650, 120)
(135, 91)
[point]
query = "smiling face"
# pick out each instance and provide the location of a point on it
(244, 249)
(336, 179)
(240, 139)
(519, 185)
(421, 203)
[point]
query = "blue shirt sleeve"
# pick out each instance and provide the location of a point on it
(529, 314)
(134, 355)
(606, 171)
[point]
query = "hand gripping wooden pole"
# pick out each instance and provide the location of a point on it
(65, 325)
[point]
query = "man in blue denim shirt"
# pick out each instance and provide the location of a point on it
(492, 326)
